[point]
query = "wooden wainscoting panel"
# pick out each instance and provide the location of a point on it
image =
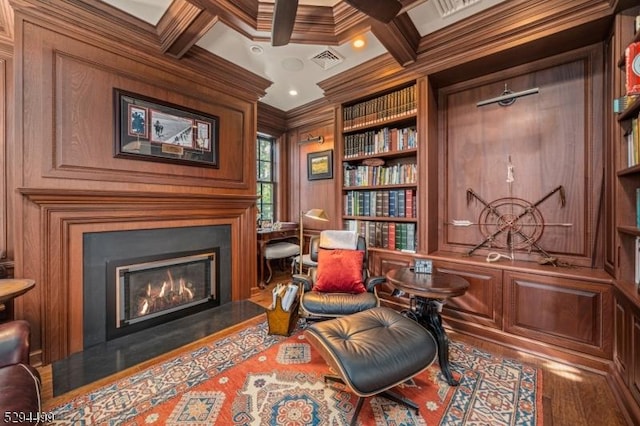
(634, 384)
(68, 129)
(621, 324)
(568, 313)
(551, 139)
(482, 303)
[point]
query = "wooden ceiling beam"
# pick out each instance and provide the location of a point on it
(400, 37)
(182, 26)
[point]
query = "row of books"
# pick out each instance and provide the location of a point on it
(632, 136)
(388, 235)
(380, 141)
(392, 105)
(385, 203)
(395, 174)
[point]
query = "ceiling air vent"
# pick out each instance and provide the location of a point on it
(448, 7)
(327, 59)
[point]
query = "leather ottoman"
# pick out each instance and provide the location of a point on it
(373, 351)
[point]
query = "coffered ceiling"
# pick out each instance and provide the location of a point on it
(321, 43)
(449, 39)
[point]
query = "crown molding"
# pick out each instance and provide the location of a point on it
(182, 25)
(96, 23)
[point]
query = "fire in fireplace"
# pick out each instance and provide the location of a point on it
(156, 289)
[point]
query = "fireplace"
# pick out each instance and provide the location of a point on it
(163, 286)
(138, 279)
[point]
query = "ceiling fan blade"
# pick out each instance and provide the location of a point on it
(381, 10)
(284, 16)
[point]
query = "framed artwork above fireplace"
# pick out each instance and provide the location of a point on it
(154, 130)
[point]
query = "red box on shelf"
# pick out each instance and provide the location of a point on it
(632, 61)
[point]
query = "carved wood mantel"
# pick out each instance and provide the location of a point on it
(54, 223)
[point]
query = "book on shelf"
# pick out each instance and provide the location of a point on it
(637, 262)
(632, 136)
(632, 68)
(392, 174)
(380, 203)
(408, 199)
(389, 235)
(637, 207)
(372, 142)
(391, 105)
(622, 103)
(391, 239)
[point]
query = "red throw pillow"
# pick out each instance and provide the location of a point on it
(339, 271)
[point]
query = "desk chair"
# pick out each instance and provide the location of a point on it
(281, 250)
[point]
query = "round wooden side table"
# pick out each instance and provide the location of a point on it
(10, 288)
(429, 291)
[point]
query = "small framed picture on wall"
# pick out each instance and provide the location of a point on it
(320, 165)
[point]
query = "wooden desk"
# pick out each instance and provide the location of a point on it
(429, 292)
(266, 236)
(10, 288)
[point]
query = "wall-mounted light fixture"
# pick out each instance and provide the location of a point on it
(508, 97)
(311, 138)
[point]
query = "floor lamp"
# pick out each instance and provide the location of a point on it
(316, 214)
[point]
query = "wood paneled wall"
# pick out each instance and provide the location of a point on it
(313, 120)
(69, 182)
(6, 195)
(552, 139)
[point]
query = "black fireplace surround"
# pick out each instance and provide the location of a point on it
(151, 290)
(104, 251)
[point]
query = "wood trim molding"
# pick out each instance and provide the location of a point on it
(373, 76)
(506, 26)
(182, 26)
(6, 22)
(105, 27)
(55, 221)
(313, 113)
(271, 120)
(520, 27)
(400, 37)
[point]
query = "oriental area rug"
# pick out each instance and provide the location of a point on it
(249, 377)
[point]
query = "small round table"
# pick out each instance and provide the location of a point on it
(11, 288)
(429, 291)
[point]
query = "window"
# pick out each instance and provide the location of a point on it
(266, 182)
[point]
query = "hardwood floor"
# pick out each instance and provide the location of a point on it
(571, 396)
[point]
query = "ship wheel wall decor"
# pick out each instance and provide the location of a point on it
(511, 223)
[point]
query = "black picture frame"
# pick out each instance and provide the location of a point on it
(320, 165)
(153, 130)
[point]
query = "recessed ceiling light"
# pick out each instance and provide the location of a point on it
(293, 92)
(358, 43)
(256, 50)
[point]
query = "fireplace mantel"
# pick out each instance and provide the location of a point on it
(53, 225)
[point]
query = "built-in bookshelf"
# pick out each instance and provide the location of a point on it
(627, 105)
(380, 172)
(626, 182)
